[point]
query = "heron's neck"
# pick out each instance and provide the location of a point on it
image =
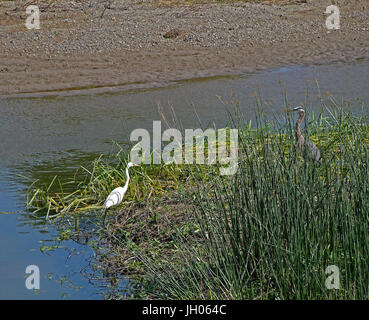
(298, 122)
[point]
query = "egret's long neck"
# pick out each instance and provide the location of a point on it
(127, 181)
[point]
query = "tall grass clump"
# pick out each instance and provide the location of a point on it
(271, 230)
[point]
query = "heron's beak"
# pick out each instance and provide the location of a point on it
(136, 165)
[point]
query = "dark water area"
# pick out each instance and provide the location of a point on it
(41, 137)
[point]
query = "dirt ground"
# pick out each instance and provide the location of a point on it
(101, 44)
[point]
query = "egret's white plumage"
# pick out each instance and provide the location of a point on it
(116, 196)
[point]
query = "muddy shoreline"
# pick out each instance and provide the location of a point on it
(79, 49)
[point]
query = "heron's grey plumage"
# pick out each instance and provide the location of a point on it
(306, 146)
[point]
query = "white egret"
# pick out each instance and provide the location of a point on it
(116, 196)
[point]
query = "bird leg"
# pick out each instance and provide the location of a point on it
(105, 210)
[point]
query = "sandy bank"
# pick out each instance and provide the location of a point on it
(80, 47)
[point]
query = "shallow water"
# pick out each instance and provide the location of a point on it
(41, 137)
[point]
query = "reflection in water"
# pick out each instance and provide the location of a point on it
(44, 137)
(58, 247)
(65, 167)
(25, 240)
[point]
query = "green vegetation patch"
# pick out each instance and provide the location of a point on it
(267, 232)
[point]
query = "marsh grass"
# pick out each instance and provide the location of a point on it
(90, 186)
(97, 181)
(267, 232)
(271, 230)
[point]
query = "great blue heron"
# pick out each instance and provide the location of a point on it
(116, 196)
(305, 146)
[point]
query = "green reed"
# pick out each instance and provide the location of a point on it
(271, 230)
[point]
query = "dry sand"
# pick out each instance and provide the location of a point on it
(93, 44)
